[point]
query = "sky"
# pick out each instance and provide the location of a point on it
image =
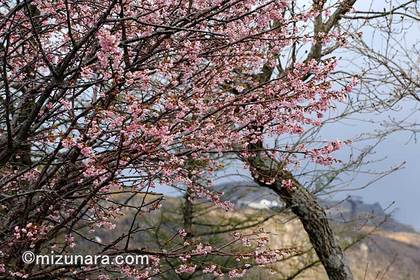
(401, 188)
(399, 191)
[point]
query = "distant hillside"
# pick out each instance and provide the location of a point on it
(382, 253)
(352, 209)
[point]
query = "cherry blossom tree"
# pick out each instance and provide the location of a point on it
(102, 101)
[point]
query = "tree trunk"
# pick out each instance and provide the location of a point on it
(188, 213)
(305, 206)
(270, 173)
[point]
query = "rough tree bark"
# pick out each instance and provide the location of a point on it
(305, 206)
(269, 173)
(188, 213)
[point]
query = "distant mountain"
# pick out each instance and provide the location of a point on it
(352, 209)
(375, 249)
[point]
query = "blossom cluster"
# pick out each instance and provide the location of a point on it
(127, 95)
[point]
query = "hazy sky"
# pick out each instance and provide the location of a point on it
(403, 186)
